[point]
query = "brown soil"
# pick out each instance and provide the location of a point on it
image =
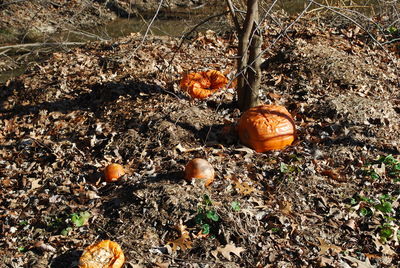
(324, 201)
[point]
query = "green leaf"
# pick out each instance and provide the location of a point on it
(235, 205)
(199, 218)
(385, 207)
(22, 249)
(212, 215)
(207, 200)
(374, 175)
(275, 229)
(367, 199)
(205, 228)
(365, 212)
(66, 231)
(284, 168)
(389, 160)
(396, 167)
(385, 197)
(386, 233)
(23, 223)
(80, 219)
(392, 30)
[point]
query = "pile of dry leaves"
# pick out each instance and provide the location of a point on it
(330, 200)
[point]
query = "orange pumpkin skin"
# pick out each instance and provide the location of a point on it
(113, 172)
(266, 127)
(199, 168)
(203, 84)
(105, 254)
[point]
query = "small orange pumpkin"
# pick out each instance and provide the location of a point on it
(105, 254)
(266, 127)
(202, 84)
(113, 172)
(199, 168)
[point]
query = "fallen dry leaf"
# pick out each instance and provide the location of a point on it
(360, 264)
(183, 242)
(324, 247)
(285, 207)
(227, 250)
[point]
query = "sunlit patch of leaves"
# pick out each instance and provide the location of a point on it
(66, 222)
(381, 208)
(381, 205)
(383, 167)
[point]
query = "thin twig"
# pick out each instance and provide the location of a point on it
(13, 2)
(43, 44)
(183, 38)
(149, 26)
(234, 17)
(275, 41)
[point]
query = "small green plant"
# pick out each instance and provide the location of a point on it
(391, 168)
(206, 216)
(23, 223)
(235, 205)
(393, 30)
(386, 232)
(77, 220)
(275, 230)
(22, 249)
(284, 168)
(387, 215)
(80, 219)
(365, 212)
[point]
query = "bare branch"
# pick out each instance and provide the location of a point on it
(42, 45)
(183, 38)
(356, 23)
(149, 26)
(233, 14)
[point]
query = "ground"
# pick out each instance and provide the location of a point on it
(331, 199)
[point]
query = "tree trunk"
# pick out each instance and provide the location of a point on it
(249, 71)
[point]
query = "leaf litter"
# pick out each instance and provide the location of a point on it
(68, 117)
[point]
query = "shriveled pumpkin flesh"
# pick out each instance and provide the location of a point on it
(199, 168)
(200, 92)
(192, 78)
(218, 80)
(266, 127)
(105, 254)
(202, 84)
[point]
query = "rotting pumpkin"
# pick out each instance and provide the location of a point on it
(266, 127)
(203, 84)
(199, 168)
(104, 254)
(113, 172)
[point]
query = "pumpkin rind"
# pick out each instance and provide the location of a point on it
(113, 172)
(105, 254)
(266, 127)
(199, 168)
(202, 84)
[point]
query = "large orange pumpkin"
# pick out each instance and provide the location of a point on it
(113, 172)
(266, 127)
(202, 84)
(199, 168)
(105, 254)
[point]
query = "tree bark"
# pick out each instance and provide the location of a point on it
(248, 69)
(253, 83)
